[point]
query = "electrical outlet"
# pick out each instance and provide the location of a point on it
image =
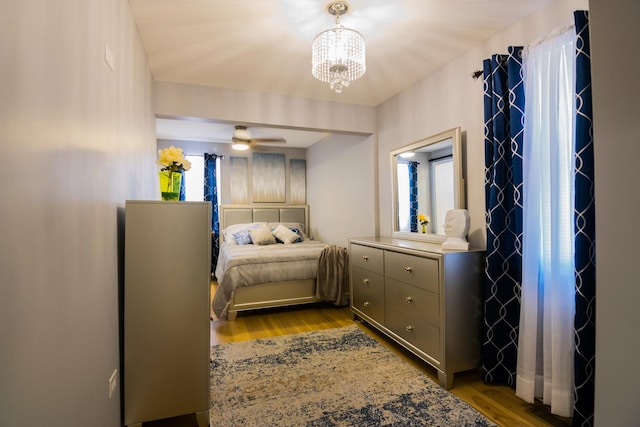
(113, 383)
(108, 56)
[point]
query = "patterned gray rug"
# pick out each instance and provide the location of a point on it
(333, 377)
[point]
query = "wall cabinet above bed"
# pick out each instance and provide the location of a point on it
(426, 299)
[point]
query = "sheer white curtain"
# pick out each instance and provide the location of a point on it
(546, 340)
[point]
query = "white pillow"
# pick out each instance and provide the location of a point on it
(285, 235)
(262, 236)
(296, 227)
(228, 232)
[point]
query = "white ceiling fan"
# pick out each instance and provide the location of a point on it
(242, 139)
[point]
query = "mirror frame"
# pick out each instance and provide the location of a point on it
(455, 135)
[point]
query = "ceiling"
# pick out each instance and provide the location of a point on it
(265, 45)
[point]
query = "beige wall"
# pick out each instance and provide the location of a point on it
(448, 98)
(341, 183)
(616, 91)
(250, 108)
(342, 188)
(77, 140)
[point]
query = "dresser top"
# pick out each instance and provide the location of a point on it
(385, 242)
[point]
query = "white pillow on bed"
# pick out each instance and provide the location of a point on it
(262, 236)
(285, 235)
(296, 227)
(243, 229)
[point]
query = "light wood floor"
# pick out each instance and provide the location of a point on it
(498, 403)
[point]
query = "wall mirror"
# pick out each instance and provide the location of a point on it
(427, 180)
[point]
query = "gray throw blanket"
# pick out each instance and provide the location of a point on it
(333, 275)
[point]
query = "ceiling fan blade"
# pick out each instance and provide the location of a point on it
(242, 135)
(260, 147)
(269, 140)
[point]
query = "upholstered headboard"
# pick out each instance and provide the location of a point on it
(244, 214)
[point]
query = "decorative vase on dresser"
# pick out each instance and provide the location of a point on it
(426, 299)
(167, 278)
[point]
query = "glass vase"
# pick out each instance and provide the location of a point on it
(424, 228)
(170, 185)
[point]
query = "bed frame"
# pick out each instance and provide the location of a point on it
(274, 294)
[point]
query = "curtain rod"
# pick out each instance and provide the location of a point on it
(554, 33)
(435, 159)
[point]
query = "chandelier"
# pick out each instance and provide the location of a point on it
(338, 54)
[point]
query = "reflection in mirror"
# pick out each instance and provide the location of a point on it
(427, 182)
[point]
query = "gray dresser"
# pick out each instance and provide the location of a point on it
(426, 299)
(166, 310)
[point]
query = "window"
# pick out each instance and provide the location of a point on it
(194, 179)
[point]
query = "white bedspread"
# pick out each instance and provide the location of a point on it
(247, 265)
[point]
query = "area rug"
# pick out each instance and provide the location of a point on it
(333, 377)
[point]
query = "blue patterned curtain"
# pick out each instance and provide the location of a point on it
(413, 196)
(585, 317)
(211, 195)
(503, 134)
(504, 107)
(182, 186)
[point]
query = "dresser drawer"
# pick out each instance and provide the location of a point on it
(367, 293)
(415, 270)
(371, 259)
(422, 335)
(414, 301)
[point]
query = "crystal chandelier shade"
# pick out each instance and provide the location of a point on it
(338, 54)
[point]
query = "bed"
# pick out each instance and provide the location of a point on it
(275, 268)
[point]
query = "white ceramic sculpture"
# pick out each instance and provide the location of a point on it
(456, 227)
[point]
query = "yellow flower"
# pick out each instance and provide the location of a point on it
(424, 220)
(172, 159)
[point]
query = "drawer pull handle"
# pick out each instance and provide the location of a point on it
(365, 281)
(408, 328)
(365, 304)
(365, 258)
(408, 300)
(408, 269)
